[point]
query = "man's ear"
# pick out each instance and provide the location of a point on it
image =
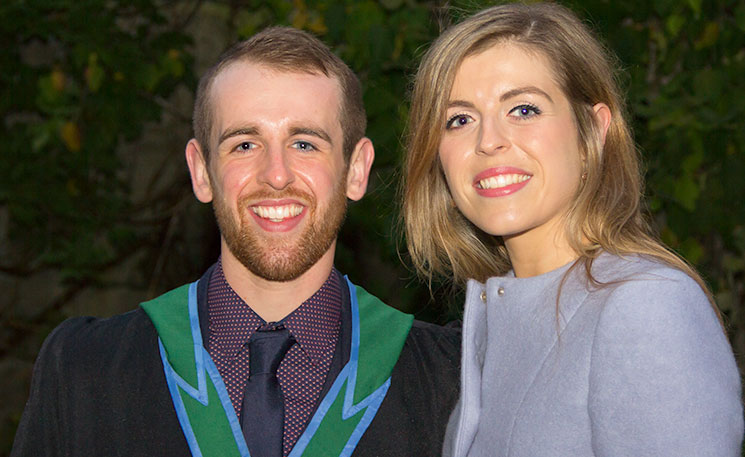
(359, 168)
(603, 118)
(200, 177)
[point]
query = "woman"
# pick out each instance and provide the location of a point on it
(583, 335)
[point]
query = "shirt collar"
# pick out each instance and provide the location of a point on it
(314, 324)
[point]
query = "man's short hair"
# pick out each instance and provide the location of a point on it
(288, 50)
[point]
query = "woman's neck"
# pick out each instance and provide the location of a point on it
(537, 252)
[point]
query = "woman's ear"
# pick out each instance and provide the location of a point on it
(602, 118)
(359, 168)
(200, 176)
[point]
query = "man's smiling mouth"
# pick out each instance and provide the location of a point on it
(277, 213)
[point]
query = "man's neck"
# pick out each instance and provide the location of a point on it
(274, 300)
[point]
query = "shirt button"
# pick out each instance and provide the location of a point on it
(483, 296)
(500, 291)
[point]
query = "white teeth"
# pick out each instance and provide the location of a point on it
(277, 213)
(502, 180)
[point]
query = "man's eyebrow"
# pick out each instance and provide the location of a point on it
(316, 132)
(524, 90)
(236, 132)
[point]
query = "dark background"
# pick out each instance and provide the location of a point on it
(96, 209)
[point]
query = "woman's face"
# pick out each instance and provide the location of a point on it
(510, 147)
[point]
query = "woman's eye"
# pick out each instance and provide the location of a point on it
(525, 111)
(303, 146)
(459, 120)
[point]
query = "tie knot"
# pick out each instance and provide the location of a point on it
(266, 349)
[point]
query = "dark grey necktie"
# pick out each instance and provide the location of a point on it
(263, 411)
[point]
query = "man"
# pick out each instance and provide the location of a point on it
(272, 352)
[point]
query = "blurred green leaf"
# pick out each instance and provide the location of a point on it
(94, 74)
(692, 250)
(686, 192)
(740, 16)
(693, 161)
(674, 23)
(738, 235)
(709, 36)
(664, 7)
(391, 4)
(733, 264)
(695, 6)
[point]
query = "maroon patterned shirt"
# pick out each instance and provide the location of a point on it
(315, 326)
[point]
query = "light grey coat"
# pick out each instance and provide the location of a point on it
(640, 367)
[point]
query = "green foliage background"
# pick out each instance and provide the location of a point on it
(84, 80)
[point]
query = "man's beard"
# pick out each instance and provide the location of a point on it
(274, 258)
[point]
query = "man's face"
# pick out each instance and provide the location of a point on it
(277, 173)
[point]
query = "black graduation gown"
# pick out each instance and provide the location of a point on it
(98, 389)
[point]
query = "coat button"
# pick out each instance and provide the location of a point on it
(483, 296)
(500, 291)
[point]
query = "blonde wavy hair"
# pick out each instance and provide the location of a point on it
(606, 214)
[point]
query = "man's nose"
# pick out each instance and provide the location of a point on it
(276, 171)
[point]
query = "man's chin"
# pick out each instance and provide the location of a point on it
(278, 276)
(280, 266)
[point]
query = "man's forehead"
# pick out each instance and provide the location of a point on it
(247, 70)
(245, 91)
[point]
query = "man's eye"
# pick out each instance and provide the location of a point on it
(303, 146)
(245, 146)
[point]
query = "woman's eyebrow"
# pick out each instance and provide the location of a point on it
(461, 104)
(505, 96)
(524, 90)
